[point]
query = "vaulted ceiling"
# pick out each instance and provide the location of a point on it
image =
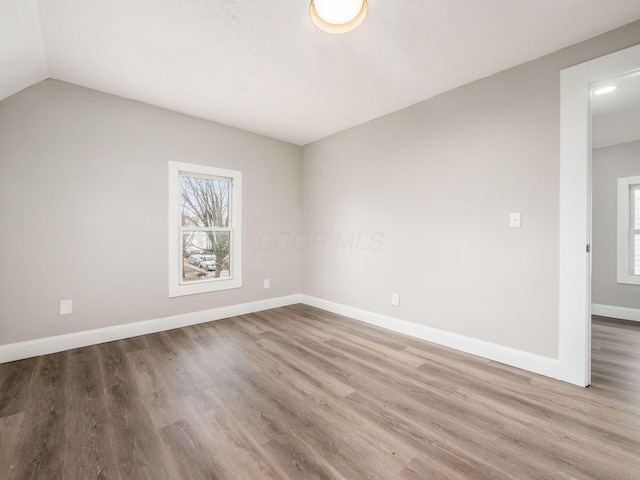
(262, 66)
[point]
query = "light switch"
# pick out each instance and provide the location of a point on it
(395, 299)
(514, 220)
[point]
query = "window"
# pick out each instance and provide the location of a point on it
(204, 229)
(629, 230)
(635, 229)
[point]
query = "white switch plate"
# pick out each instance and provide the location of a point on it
(267, 283)
(514, 220)
(66, 307)
(395, 299)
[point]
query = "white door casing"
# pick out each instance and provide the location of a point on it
(574, 349)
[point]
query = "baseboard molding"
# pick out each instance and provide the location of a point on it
(612, 311)
(44, 346)
(509, 356)
(516, 358)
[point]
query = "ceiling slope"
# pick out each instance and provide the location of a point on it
(262, 66)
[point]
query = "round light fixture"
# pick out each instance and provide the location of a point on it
(337, 16)
(603, 90)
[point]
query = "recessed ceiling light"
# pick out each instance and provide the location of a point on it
(603, 90)
(337, 16)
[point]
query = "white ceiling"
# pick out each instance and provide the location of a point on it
(625, 98)
(262, 66)
(616, 115)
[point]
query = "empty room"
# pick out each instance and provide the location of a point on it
(319, 239)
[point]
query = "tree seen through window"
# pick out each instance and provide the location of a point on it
(206, 229)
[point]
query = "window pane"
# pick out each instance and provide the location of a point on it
(205, 255)
(636, 208)
(205, 202)
(636, 255)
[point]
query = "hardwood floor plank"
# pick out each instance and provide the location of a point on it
(41, 439)
(10, 428)
(301, 371)
(113, 363)
(299, 461)
(164, 406)
(135, 343)
(444, 465)
(135, 442)
(90, 454)
(424, 470)
(230, 440)
(372, 381)
(188, 454)
(137, 446)
(296, 393)
(14, 380)
(428, 425)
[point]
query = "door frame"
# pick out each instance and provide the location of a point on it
(574, 342)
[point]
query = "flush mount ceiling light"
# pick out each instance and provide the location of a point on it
(603, 90)
(337, 16)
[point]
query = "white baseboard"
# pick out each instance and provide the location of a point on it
(612, 311)
(510, 356)
(44, 346)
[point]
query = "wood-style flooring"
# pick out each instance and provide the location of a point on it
(298, 393)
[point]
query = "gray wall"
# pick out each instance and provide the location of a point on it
(415, 202)
(437, 181)
(83, 204)
(609, 164)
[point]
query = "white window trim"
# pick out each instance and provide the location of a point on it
(624, 231)
(176, 286)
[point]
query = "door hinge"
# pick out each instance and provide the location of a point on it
(588, 248)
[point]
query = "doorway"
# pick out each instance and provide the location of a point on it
(575, 208)
(615, 202)
(615, 164)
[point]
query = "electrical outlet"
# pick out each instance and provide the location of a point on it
(66, 307)
(267, 283)
(395, 299)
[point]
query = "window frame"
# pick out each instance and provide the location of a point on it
(626, 232)
(177, 287)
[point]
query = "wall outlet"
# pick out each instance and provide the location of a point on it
(514, 220)
(66, 307)
(395, 299)
(267, 283)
